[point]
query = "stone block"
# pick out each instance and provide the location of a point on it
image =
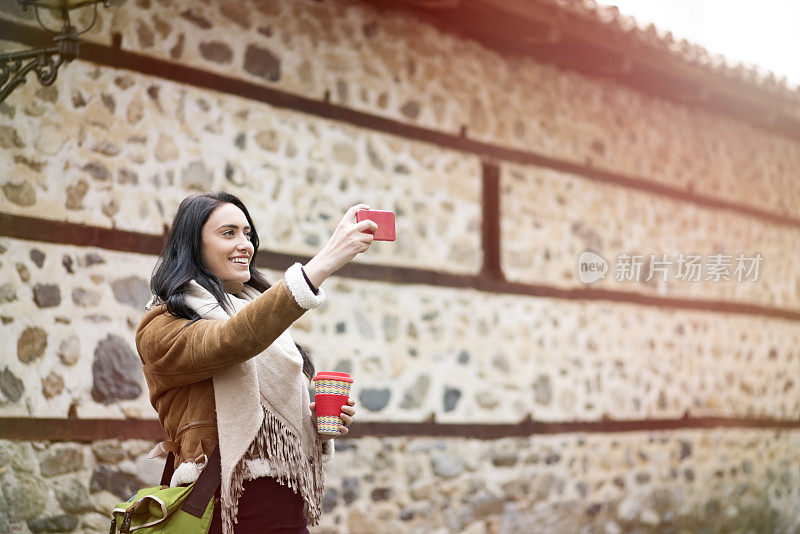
(73, 496)
(56, 523)
(25, 496)
(116, 371)
(60, 460)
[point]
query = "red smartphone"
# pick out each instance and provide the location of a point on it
(384, 220)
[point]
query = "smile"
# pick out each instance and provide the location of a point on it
(241, 261)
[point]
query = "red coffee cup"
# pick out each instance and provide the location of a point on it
(331, 392)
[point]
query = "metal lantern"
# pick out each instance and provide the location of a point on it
(45, 61)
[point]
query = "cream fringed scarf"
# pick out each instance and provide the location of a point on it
(263, 417)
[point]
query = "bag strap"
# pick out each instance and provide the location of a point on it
(172, 448)
(205, 486)
(169, 468)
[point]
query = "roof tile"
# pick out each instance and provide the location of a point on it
(648, 33)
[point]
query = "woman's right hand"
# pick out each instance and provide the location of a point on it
(348, 240)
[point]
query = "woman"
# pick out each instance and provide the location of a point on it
(222, 368)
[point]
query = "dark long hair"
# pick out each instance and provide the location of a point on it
(181, 261)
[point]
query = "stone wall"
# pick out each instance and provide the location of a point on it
(683, 481)
(117, 149)
(68, 316)
(393, 65)
(113, 149)
(70, 487)
(569, 214)
(419, 351)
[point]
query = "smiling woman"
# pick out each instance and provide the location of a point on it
(223, 370)
(227, 249)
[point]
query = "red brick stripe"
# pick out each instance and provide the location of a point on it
(89, 430)
(66, 233)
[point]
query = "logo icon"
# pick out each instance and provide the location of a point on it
(591, 267)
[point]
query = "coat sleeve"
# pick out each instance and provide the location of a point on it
(175, 354)
(327, 451)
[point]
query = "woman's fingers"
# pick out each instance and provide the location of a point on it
(351, 213)
(347, 413)
(348, 240)
(313, 406)
(366, 225)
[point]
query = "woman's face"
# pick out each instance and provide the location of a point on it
(227, 249)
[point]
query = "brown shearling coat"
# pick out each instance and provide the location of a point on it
(179, 362)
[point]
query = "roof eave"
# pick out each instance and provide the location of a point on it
(549, 33)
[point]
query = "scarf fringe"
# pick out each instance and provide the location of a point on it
(283, 451)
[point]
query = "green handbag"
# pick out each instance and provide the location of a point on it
(162, 509)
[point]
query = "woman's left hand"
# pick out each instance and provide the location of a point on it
(348, 412)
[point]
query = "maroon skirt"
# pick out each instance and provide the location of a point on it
(265, 506)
